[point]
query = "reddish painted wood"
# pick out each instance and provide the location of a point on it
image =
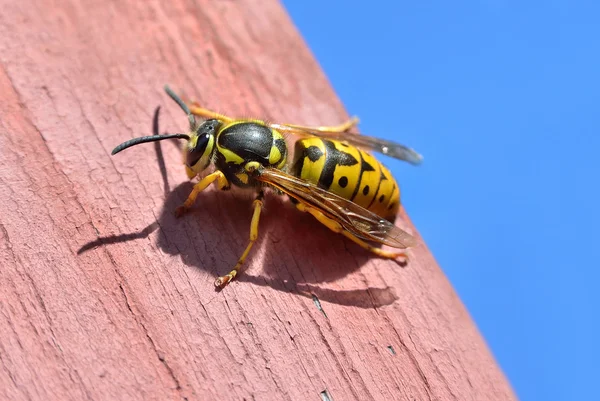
(104, 295)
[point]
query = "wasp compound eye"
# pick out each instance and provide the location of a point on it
(196, 151)
(201, 145)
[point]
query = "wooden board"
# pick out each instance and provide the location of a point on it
(105, 295)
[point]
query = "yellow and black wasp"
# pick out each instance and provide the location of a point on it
(332, 176)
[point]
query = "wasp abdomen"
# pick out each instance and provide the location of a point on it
(348, 172)
(248, 141)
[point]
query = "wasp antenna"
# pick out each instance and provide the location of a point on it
(183, 106)
(177, 100)
(144, 139)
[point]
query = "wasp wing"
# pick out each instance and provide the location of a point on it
(353, 218)
(369, 143)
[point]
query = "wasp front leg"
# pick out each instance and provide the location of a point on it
(258, 203)
(222, 183)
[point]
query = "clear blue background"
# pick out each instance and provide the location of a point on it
(502, 98)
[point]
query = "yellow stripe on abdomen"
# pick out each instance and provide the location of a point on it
(370, 172)
(349, 172)
(344, 161)
(310, 155)
(387, 200)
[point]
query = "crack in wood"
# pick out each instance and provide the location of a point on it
(159, 355)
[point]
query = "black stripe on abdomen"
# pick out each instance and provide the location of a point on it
(333, 158)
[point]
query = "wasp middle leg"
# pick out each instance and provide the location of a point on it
(258, 203)
(222, 183)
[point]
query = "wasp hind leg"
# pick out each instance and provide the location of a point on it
(258, 203)
(222, 183)
(337, 227)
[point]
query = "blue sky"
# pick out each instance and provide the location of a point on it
(503, 99)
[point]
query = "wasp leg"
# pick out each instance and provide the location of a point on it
(327, 129)
(337, 227)
(224, 280)
(209, 114)
(201, 186)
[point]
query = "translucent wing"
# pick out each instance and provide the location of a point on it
(369, 143)
(354, 218)
(339, 133)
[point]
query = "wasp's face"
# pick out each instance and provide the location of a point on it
(199, 150)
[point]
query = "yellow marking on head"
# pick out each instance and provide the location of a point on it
(191, 144)
(189, 152)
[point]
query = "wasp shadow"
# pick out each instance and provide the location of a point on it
(298, 254)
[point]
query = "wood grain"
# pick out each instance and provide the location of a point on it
(104, 295)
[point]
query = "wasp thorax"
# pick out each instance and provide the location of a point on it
(248, 143)
(200, 147)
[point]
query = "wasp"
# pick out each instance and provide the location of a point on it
(333, 176)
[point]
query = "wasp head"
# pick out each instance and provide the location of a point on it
(200, 148)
